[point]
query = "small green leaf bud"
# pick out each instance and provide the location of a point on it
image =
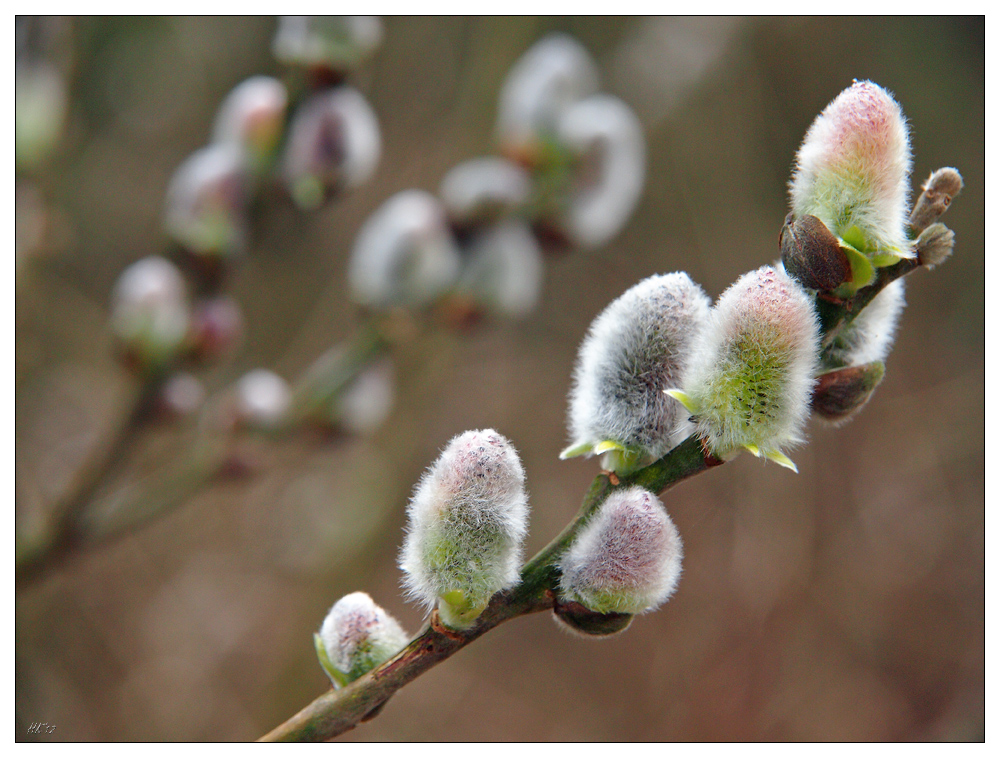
(252, 117)
(869, 337)
(262, 398)
(483, 190)
(626, 559)
(206, 202)
(467, 520)
(840, 393)
(150, 313)
(852, 172)
(637, 347)
(751, 378)
(934, 245)
(812, 255)
(552, 75)
(605, 139)
(330, 46)
(357, 636)
(334, 143)
(941, 187)
(404, 254)
(503, 269)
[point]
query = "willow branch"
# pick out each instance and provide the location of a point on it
(338, 711)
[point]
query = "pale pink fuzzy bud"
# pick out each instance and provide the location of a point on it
(751, 376)
(252, 117)
(150, 312)
(357, 636)
(626, 559)
(404, 254)
(552, 75)
(637, 347)
(504, 269)
(262, 397)
(334, 143)
(206, 202)
(338, 43)
(606, 139)
(467, 520)
(870, 335)
(852, 171)
(484, 189)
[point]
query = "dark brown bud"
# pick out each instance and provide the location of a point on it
(939, 190)
(812, 255)
(842, 392)
(583, 621)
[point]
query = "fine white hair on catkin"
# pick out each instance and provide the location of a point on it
(627, 558)
(637, 347)
(359, 635)
(752, 374)
(467, 520)
(870, 335)
(853, 168)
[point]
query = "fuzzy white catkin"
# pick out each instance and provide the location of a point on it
(869, 337)
(626, 559)
(262, 397)
(504, 269)
(752, 374)
(404, 254)
(484, 189)
(604, 131)
(853, 169)
(149, 309)
(467, 520)
(333, 142)
(359, 635)
(251, 116)
(341, 42)
(637, 347)
(553, 74)
(364, 405)
(205, 201)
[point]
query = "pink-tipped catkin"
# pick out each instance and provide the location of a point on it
(627, 559)
(467, 520)
(252, 117)
(750, 380)
(358, 635)
(853, 170)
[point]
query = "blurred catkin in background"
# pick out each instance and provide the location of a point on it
(845, 603)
